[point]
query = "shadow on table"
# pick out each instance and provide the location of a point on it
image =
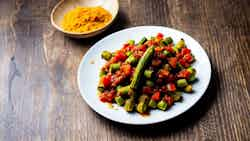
(185, 120)
(118, 24)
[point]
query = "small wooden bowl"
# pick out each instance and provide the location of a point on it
(64, 6)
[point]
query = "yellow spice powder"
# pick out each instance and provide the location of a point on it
(85, 19)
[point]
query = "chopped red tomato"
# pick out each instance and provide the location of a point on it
(127, 69)
(185, 51)
(159, 36)
(146, 90)
(169, 49)
(156, 62)
(163, 73)
(171, 87)
(156, 96)
(107, 96)
(158, 49)
(184, 74)
(172, 62)
(120, 56)
(188, 58)
(169, 100)
(106, 80)
(143, 48)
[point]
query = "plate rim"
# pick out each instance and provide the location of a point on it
(152, 122)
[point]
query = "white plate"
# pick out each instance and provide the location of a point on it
(88, 75)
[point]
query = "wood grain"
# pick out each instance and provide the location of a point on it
(40, 100)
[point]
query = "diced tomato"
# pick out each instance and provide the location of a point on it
(127, 69)
(169, 100)
(150, 43)
(185, 51)
(184, 74)
(106, 80)
(107, 96)
(171, 87)
(188, 57)
(163, 73)
(146, 90)
(172, 61)
(169, 49)
(156, 62)
(125, 46)
(143, 48)
(159, 36)
(182, 62)
(158, 49)
(120, 56)
(156, 96)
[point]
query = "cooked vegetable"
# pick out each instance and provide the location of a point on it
(143, 40)
(114, 67)
(131, 60)
(152, 103)
(147, 75)
(119, 100)
(131, 42)
(188, 89)
(180, 44)
(123, 90)
(140, 67)
(106, 55)
(162, 105)
(129, 105)
(167, 41)
(182, 83)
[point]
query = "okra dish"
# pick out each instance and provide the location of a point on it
(150, 74)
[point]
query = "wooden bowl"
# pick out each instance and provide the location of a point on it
(64, 6)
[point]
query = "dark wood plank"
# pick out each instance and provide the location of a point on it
(40, 100)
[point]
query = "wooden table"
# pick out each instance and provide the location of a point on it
(40, 100)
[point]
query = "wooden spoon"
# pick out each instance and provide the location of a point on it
(64, 6)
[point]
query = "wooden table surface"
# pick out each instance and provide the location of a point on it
(40, 100)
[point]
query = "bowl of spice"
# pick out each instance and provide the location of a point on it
(84, 18)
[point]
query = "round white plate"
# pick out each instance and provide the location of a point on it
(88, 75)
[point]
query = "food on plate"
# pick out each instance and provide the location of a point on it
(150, 74)
(85, 19)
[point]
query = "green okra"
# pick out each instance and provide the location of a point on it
(152, 103)
(131, 60)
(162, 105)
(102, 73)
(131, 42)
(148, 73)
(182, 83)
(143, 102)
(119, 100)
(123, 90)
(141, 107)
(114, 67)
(167, 41)
(188, 89)
(140, 67)
(129, 105)
(143, 40)
(106, 55)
